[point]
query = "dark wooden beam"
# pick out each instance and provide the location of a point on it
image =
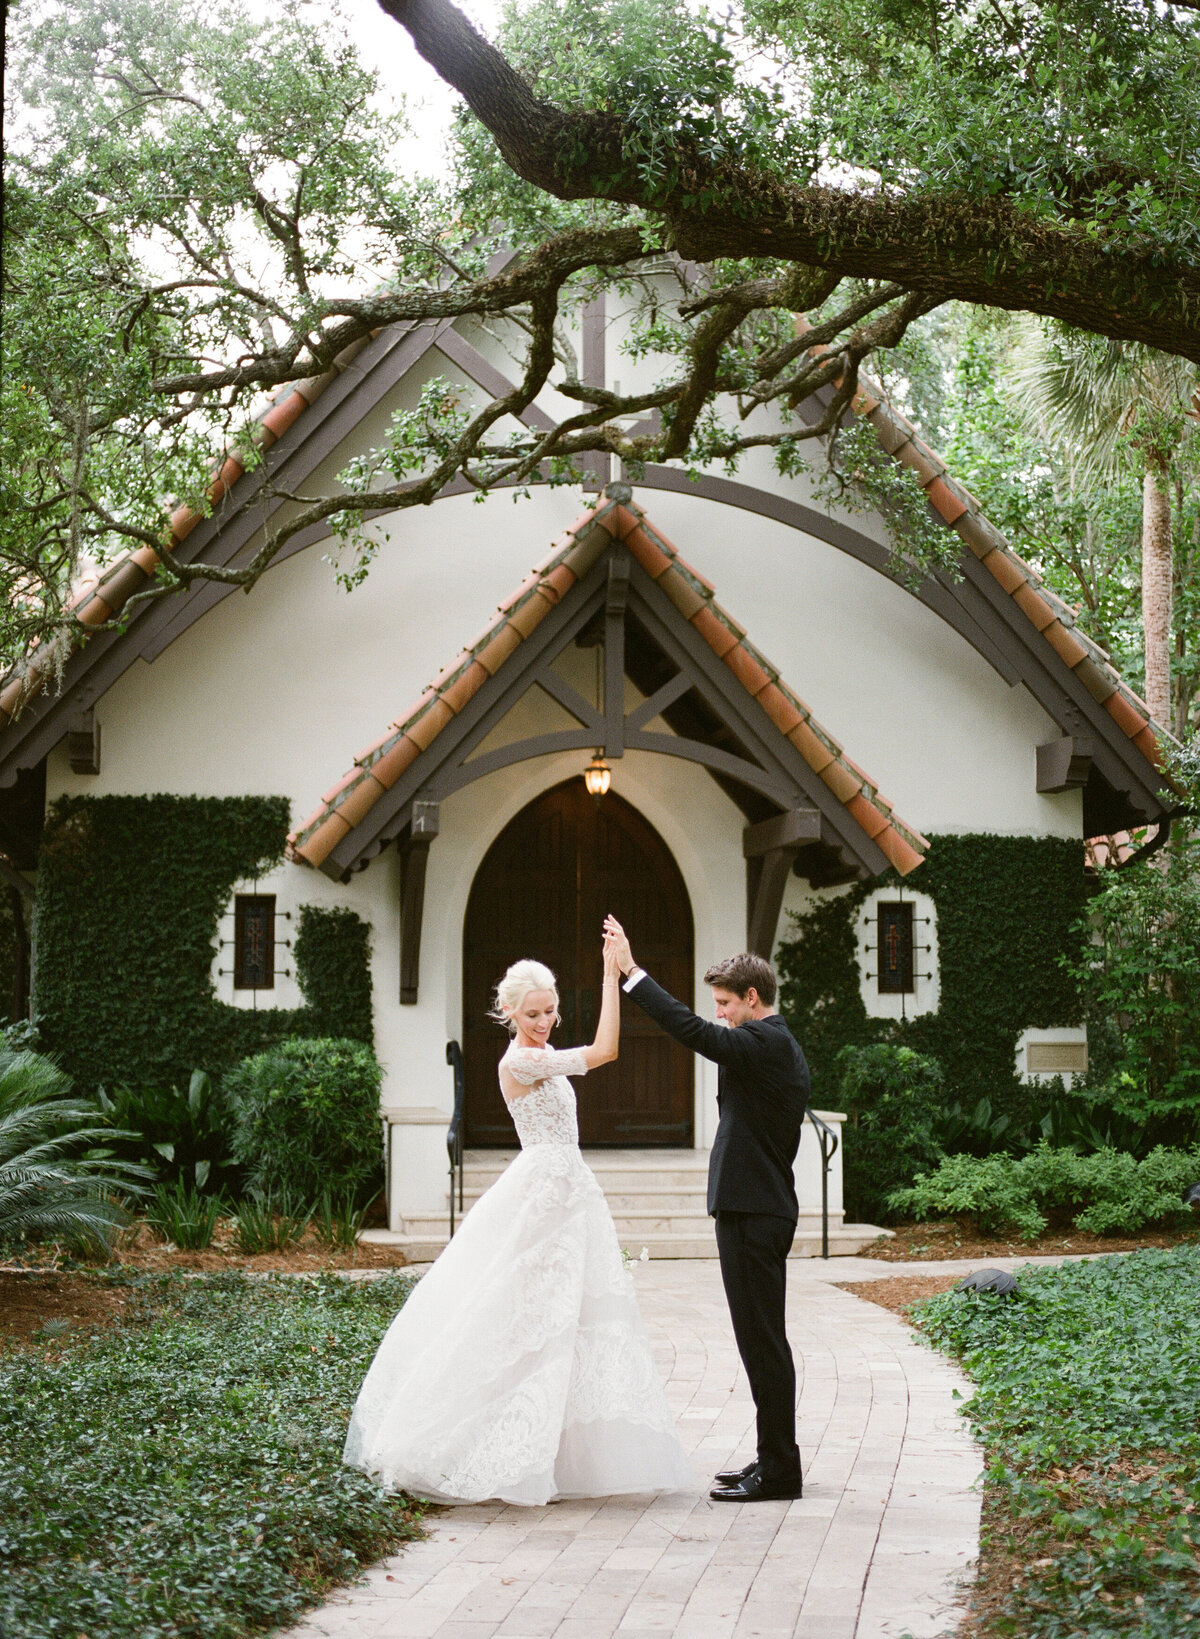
(769, 849)
(766, 878)
(795, 828)
(414, 857)
(83, 742)
(615, 603)
(1065, 764)
(658, 702)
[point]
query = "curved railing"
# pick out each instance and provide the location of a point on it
(827, 1142)
(454, 1133)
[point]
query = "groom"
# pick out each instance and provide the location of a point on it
(762, 1090)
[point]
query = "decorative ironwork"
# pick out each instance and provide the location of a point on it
(254, 941)
(895, 947)
(454, 1133)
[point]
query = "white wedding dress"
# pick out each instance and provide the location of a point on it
(519, 1368)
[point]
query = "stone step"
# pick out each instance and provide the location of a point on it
(614, 1177)
(844, 1241)
(638, 1201)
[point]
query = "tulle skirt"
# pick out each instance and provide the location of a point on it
(519, 1368)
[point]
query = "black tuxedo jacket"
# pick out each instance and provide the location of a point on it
(762, 1090)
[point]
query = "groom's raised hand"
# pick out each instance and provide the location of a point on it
(614, 929)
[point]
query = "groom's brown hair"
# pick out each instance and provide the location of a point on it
(743, 972)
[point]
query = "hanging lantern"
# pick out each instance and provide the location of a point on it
(597, 776)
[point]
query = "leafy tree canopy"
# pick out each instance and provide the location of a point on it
(202, 208)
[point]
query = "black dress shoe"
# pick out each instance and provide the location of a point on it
(754, 1488)
(734, 1476)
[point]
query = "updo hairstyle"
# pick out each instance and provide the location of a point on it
(521, 978)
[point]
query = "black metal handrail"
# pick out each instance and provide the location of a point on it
(827, 1142)
(454, 1142)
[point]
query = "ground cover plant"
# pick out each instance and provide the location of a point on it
(179, 1474)
(1087, 1384)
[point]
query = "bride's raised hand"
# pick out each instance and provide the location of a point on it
(612, 967)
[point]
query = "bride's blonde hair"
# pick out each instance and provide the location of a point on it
(521, 978)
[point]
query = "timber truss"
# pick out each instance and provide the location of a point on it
(794, 821)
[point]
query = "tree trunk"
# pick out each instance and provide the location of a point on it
(1156, 591)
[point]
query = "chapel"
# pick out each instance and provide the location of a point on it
(717, 705)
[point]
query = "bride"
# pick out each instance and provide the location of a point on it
(519, 1368)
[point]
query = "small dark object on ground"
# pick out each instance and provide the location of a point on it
(989, 1280)
(1191, 1195)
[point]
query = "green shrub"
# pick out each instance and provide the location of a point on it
(306, 1118)
(184, 1216)
(1107, 1193)
(891, 1096)
(183, 1136)
(180, 1477)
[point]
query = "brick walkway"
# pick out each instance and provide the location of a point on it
(876, 1549)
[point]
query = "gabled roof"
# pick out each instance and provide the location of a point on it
(376, 769)
(1056, 659)
(1049, 614)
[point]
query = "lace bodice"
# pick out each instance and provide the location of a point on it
(546, 1113)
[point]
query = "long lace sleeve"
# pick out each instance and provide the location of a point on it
(529, 1065)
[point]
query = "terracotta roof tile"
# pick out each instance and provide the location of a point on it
(1096, 679)
(1148, 743)
(648, 553)
(358, 803)
(746, 668)
(492, 654)
(1065, 643)
(399, 757)
(714, 632)
(683, 593)
(425, 729)
(467, 683)
(1122, 713)
(889, 429)
(816, 752)
(1036, 607)
(1002, 567)
(945, 500)
(903, 856)
(779, 708)
(841, 781)
(867, 815)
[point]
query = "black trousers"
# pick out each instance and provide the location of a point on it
(753, 1248)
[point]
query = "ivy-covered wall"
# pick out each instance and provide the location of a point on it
(1006, 907)
(129, 894)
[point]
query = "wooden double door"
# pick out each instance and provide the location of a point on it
(542, 891)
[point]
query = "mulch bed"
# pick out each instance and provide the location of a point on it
(74, 1304)
(141, 1248)
(40, 1288)
(897, 1294)
(923, 1243)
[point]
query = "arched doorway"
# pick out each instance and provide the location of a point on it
(542, 890)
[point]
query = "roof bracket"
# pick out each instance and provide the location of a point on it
(414, 856)
(769, 849)
(1064, 764)
(83, 742)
